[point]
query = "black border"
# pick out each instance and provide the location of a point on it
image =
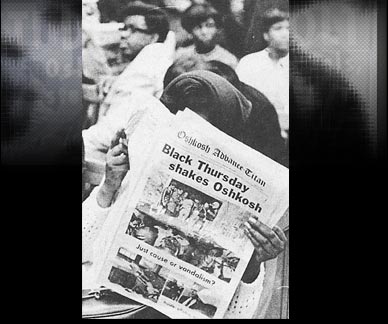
(332, 245)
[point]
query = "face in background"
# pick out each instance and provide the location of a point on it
(135, 36)
(277, 37)
(204, 34)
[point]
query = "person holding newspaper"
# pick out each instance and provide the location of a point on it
(268, 242)
(225, 107)
(262, 128)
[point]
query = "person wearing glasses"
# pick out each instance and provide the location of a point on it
(143, 25)
(203, 22)
(147, 48)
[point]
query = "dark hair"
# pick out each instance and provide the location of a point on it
(224, 71)
(196, 97)
(273, 16)
(155, 18)
(183, 64)
(197, 14)
(191, 63)
(209, 95)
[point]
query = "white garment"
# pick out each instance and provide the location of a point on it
(245, 302)
(124, 114)
(144, 74)
(93, 219)
(270, 77)
(217, 54)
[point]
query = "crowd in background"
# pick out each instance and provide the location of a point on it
(140, 47)
(176, 54)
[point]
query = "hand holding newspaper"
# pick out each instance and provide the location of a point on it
(175, 240)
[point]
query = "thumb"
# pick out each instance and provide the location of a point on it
(116, 139)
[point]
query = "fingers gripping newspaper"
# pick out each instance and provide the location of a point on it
(178, 243)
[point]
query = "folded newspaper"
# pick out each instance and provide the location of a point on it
(176, 240)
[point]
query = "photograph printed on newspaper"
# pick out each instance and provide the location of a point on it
(180, 246)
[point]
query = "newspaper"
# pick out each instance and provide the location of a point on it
(178, 243)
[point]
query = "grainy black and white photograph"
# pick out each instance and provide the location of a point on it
(198, 298)
(300, 82)
(138, 275)
(191, 295)
(189, 247)
(187, 54)
(179, 204)
(184, 202)
(218, 222)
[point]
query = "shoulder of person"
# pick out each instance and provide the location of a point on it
(188, 50)
(252, 57)
(226, 53)
(226, 57)
(285, 60)
(255, 95)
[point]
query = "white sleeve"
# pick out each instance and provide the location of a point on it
(246, 298)
(93, 218)
(98, 137)
(146, 72)
(233, 61)
(243, 69)
(125, 114)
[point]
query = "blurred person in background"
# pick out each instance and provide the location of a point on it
(101, 61)
(234, 28)
(203, 22)
(175, 10)
(261, 129)
(143, 25)
(101, 51)
(147, 50)
(100, 43)
(268, 70)
(232, 34)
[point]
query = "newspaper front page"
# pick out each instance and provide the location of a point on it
(179, 244)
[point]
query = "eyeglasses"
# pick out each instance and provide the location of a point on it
(134, 29)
